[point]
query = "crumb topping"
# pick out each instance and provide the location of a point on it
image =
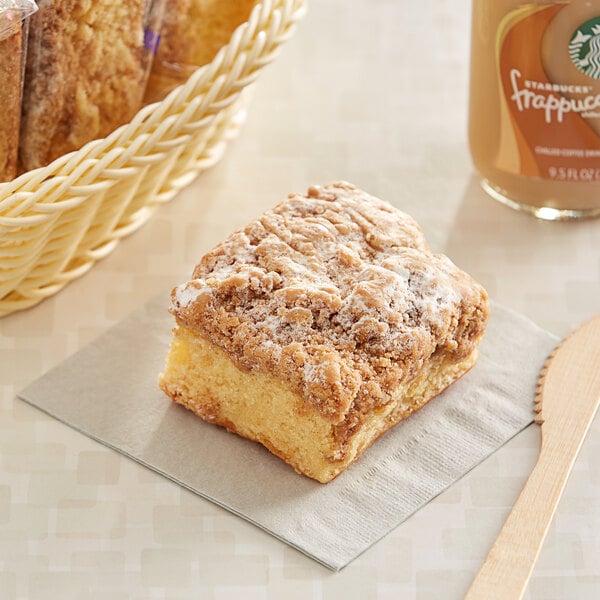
(338, 294)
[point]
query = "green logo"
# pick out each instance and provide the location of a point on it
(584, 48)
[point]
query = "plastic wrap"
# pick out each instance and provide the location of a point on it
(192, 33)
(87, 68)
(13, 44)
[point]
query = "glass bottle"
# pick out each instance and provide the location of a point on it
(534, 114)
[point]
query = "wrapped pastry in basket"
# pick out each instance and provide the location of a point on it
(192, 33)
(13, 43)
(87, 69)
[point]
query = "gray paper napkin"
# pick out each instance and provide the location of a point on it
(108, 391)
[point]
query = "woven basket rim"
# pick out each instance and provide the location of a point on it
(58, 220)
(261, 12)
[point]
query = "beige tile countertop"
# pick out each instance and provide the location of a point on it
(374, 92)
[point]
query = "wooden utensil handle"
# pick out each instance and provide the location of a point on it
(507, 568)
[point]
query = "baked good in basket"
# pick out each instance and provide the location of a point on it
(86, 74)
(192, 33)
(321, 325)
(11, 57)
(14, 15)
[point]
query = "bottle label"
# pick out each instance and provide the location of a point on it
(549, 125)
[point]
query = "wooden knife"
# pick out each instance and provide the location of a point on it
(567, 398)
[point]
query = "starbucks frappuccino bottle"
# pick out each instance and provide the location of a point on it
(534, 115)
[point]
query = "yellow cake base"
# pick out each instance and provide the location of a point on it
(201, 377)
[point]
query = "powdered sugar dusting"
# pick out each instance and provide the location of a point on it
(187, 293)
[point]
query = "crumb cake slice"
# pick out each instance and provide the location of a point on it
(321, 325)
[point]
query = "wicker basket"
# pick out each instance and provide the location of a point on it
(55, 222)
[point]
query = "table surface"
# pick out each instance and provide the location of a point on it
(376, 95)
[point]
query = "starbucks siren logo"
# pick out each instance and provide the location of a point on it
(584, 48)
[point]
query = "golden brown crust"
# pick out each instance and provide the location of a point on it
(86, 73)
(11, 59)
(192, 33)
(337, 294)
(194, 30)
